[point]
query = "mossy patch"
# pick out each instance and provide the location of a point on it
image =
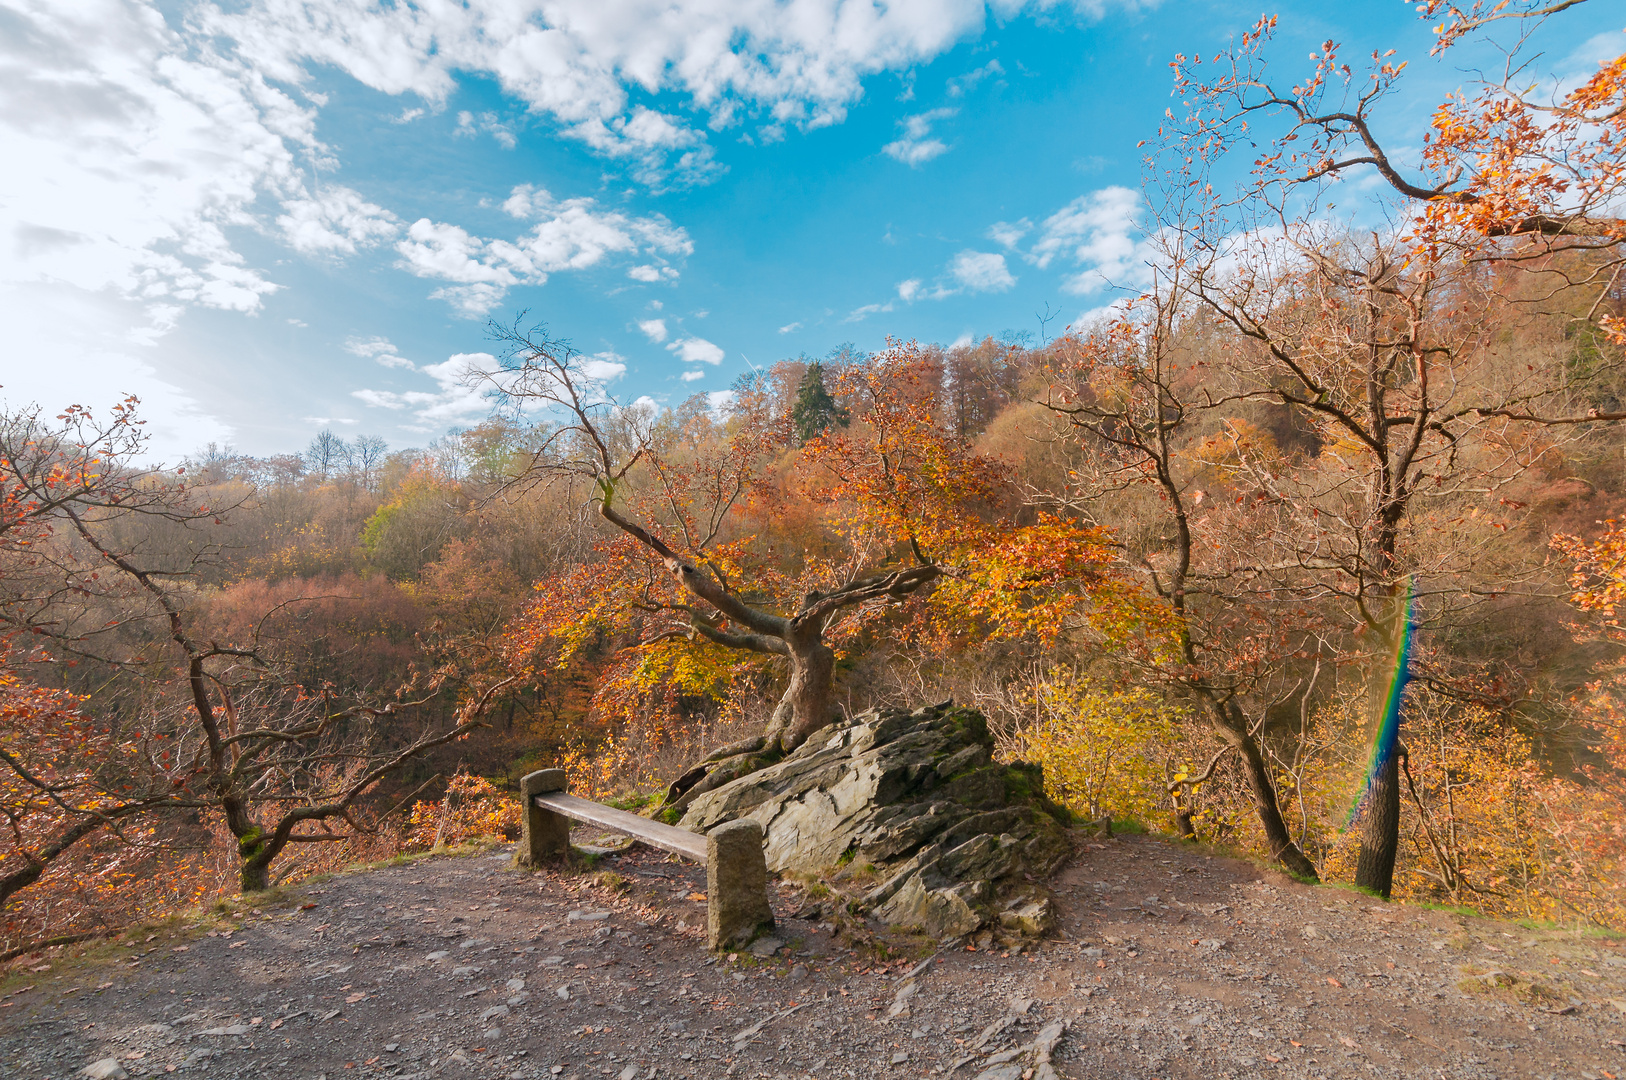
(1509, 985)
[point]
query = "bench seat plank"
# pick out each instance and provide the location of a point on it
(655, 833)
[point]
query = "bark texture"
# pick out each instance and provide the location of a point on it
(1380, 827)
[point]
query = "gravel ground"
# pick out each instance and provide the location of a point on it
(1167, 964)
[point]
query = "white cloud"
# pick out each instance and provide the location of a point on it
(720, 402)
(324, 421)
(860, 314)
(981, 271)
(648, 272)
(468, 125)
(1100, 233)
(654, 329)
(575, 61)
(691, 376)
(917, 147)
(964, 84)
(571, 234)
(602, 368)
(790, 328)
(132, 151)
(1007, 234)
(379, 350)
(1098, 316)
(969, 271)
(456, 397)
(694, 350)
(333, 221)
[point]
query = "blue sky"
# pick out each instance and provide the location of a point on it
(273, 216)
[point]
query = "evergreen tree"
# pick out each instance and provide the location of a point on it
(815, 409)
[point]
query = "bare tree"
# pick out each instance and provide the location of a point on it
(367, 454)
(327, 455)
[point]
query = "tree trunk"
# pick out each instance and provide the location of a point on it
(809, 701)
(1233, 728)
(1380, 827)
(256, 850)
(256, 875)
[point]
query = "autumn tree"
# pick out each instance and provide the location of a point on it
(65, 775)
(1388, 353)
(202, 724)
(911, 508)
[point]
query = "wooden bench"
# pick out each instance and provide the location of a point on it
(736, 870)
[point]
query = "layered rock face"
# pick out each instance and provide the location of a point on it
(959, 841)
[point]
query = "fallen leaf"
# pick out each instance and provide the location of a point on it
(353, 998)
(1295, 1042)
(1594, 974)
(275, 1024)
(370, 1061)
(1349, 1042)
(237, 945)
(180, 948)
(1334, 982)
(302, 907)
(697, 896)
(1272, 1058)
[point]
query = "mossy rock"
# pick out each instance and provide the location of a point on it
(917, 795)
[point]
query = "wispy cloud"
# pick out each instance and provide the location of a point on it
(917, 145)
(964, 84)
(462, 391)
(380, 350)
(456, 397)
(1099, 233)
(860, 314)
(790, 328)
(468, 124)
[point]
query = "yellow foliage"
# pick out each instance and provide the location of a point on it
(1103, 751)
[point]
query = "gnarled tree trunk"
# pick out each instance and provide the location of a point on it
(809, 699)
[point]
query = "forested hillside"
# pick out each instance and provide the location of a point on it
(1183, 555)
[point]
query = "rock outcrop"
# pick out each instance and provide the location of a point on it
(957, 841)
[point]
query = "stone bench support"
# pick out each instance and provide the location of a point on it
(736, 869)
(736, 884)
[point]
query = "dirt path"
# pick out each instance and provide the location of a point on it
(1173, 965)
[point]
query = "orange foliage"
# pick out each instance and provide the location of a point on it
(471, 809)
